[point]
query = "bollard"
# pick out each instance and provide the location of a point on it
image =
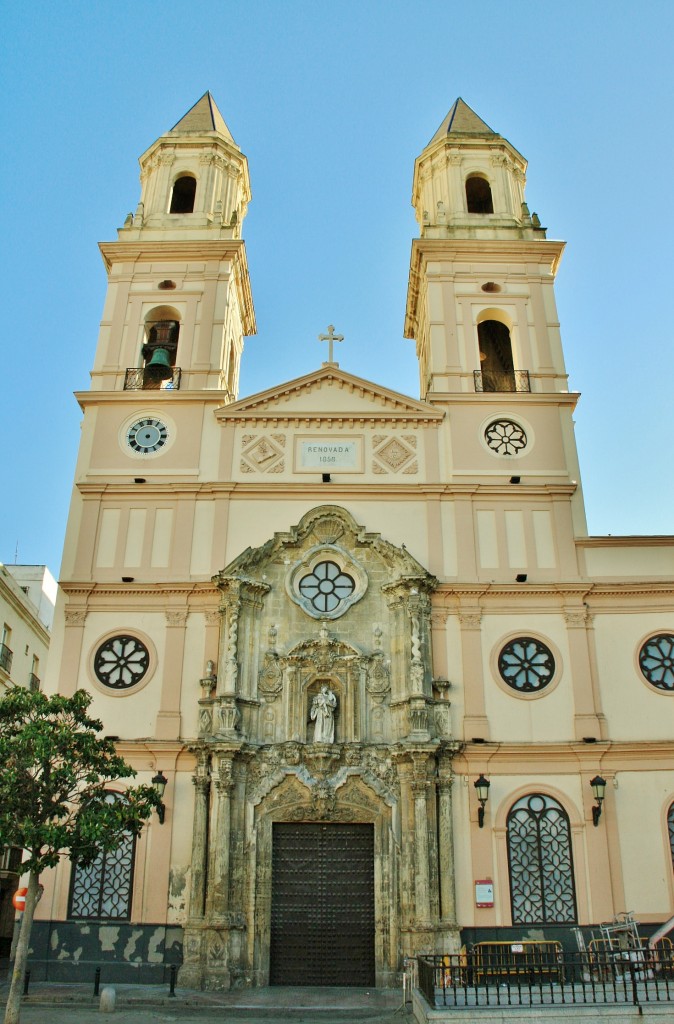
(172, 981)
(108, 1000)
(26, 982)
(97, 981)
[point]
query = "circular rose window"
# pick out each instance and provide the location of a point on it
(656, 661)
(505, 437)
(326, 586)
(526, 665)
(121, 662)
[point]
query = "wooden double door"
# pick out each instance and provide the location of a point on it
(322, 912)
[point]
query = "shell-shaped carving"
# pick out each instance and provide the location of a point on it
(328, 530)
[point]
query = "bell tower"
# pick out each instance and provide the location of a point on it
(179, 302)
(481, 309)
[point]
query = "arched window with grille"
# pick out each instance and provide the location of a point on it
(540, 862)
(670, 823)
(102, 890)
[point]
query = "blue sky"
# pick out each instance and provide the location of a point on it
(332, 102)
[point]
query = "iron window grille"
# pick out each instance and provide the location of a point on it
(102, 890)
(540, 862)
(121, 662)
(326, 586)
(526, 665)
(656, 661)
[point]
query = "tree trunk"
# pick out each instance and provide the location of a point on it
(13, 1010)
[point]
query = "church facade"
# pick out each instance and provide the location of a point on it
(401, 699)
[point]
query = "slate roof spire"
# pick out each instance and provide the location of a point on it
(204, 116)
(462, 120)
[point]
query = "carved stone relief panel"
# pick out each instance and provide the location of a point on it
(263, 453)
(394, 454)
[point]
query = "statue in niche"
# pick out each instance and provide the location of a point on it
(323, 714)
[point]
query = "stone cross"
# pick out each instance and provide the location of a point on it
(330, 337)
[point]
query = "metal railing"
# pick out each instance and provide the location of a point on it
(495, 380)
(6, 658)
(549, 978)
(10, 859)
(136, 379)
(33, 682)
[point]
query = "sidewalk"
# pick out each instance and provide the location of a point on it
(143, 1004)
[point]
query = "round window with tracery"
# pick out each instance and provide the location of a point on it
(326, 586)
(526, 665)
(505, 437)
(656, 661)
(121, 662)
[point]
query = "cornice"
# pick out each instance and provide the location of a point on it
(660, 540)
(311, 489)
(500, 398)
(607, 756)
(88, 590)
(174, 249)
(139, 397)
(494, 250)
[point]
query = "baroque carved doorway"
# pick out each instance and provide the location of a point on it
(322, 915)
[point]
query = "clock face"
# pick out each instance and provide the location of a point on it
(147, 436)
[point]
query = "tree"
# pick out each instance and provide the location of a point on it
(54, 769)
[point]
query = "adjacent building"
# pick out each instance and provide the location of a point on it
(325, 612)
(27, 599)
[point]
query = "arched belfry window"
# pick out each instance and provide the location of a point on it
(160, 349)
(670, 824)
(478, 195)
(182, 196)
(102, 890)
(496, 356)
(540, 862)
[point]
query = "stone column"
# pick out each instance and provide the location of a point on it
(446, 851)
(421, 880)
(199, 838)
(218, 889)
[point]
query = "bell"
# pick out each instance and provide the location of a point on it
(159, 367)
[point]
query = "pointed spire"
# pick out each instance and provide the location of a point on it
(204, 116)
(462, 120)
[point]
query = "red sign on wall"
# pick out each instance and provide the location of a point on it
(484, 892)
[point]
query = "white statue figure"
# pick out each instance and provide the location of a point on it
(323, 714)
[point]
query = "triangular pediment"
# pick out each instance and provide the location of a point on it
(329, 394)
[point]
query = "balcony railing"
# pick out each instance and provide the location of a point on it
(10, 859)
(33, 682)
(547, 977)
(136, 379)
(6, 658)
(495, 380)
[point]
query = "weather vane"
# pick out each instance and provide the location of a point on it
(330, 337)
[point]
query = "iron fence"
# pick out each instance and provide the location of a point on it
(547, 977)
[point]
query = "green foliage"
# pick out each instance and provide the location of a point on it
(54, 769)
